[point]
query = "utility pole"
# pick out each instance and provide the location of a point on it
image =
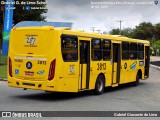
(93, 29)
(120, 21)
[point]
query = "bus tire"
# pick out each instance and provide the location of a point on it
(136, 83)
(99, 86)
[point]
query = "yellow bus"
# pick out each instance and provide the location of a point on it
(63, 60)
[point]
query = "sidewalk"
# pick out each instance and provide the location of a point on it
(154, 58)
(3, 79)
(155, 67)
(155, 62)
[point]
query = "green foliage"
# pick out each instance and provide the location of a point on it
(0, 37)
(144, 31)
(157, 31)
(157, 44)
(3, 66)
(21, 14)
(115, 31)
(124, 32)
(29, 15)
(1, 26)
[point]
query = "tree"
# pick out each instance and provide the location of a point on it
(115, 31)
(124, 32)
(144, 30)
(22, 14)
(157, 31)
(1, 28)
(157, 44)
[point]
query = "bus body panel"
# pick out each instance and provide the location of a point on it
(35, 61)
(22, 53)
(30, 54)
(129, 70)
(96, 70)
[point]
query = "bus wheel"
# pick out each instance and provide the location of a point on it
(136, 83)
(99, 86)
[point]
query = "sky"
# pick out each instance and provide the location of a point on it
(104, 15)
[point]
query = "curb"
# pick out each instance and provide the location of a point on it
(3, 79)
(155, 67)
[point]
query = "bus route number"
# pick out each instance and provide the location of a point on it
(101, 66)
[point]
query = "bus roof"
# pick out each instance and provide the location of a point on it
(40, 24)
(104, 36)
(68, 31)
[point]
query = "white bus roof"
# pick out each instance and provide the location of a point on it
(38, 23)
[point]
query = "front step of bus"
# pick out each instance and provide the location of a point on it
(114, 85)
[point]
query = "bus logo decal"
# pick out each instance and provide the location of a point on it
(31, 40)
(133, 66)
(28, 65)
(40, 72)
(16, 71)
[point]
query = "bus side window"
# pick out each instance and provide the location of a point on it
(69, 57)
(69, 45)
(97, 54)
(125, 50)
(106, 49)
(133, 51)
(96, 49)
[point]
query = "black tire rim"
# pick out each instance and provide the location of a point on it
(100, 85)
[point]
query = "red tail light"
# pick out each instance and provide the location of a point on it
(10, 67)
(52, 70)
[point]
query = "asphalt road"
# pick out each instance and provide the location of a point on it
(157, 63)
(145, 97)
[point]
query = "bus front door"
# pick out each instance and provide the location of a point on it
(116, 64)
(84, 65)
